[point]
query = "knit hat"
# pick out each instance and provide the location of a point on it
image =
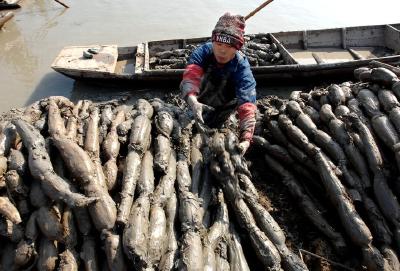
(230, 30)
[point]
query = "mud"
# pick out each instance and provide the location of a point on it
(299, 232)
(267, 207)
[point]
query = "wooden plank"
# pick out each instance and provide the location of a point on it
(289, 59)
(317, 58)
(146, 57)
(355, 36)
(397, 26)
(392, 38)
(140, 55)
(354, 54)
(163, 45)
(305, 40)
(325, 66)
(365, 36)
(291, 40)
(198, 40)
(125, 67)
(329, 55)
(127, 51)
(344, 38)
(71, 58)
(324, 38)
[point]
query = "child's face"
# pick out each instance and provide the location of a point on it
(223, 52)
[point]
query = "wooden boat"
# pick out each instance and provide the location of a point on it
(307, 55)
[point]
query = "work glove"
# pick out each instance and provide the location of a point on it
(243, 146)
(198, 108)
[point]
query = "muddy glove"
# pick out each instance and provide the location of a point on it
(243, 146)
(198, 108)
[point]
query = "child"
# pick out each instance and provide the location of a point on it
(218, 79)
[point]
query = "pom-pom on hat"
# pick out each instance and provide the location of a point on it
(230, 30)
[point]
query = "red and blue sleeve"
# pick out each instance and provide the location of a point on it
(246, 96)
(190, 84)
(191, 80)
(247, 121)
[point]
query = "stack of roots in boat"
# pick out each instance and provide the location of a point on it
(259, 49)
(120, 186)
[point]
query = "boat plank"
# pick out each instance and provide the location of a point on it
(397, 26)
(164, 45)
(125, 67)
(104, 61)
(365, 36)
(344, 38)
(305, 40)
(392, 38)
(328, 38)
(146, 66)
(355, 54)
(318, 58)
(293, 39)
(289, 59)
(128, 51)
(321, 55)
(139, 65)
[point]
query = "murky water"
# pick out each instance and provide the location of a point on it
(32, 39)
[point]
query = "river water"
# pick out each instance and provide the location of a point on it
(32, 39)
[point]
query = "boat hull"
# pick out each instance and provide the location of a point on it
(315, 55)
